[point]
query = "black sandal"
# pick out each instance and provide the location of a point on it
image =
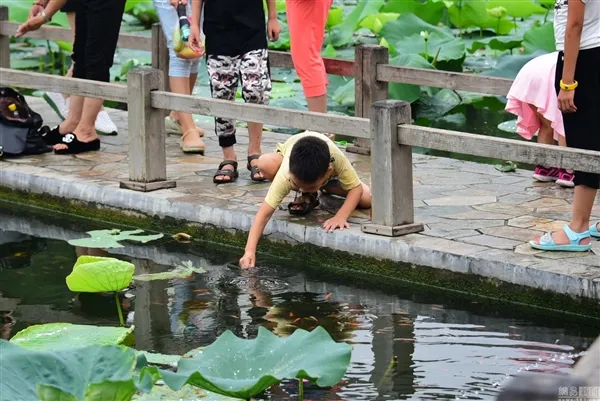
(75, 146)
(253, 169)
(51, 136)
(232, 174)
(305, 207)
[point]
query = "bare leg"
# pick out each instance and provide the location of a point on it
(74, 116)
(318, 104)
(269, 164)
(85, 130)
(191, 137)
(255, 131)
(365, 199)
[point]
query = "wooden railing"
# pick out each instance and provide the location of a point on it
(388, 131)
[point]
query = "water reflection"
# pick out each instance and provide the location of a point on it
(407, 345)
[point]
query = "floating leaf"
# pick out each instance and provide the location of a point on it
(54, 336)
(408, 25)
(540, 38)
(344, 95)
(83, 374)
(500, 43)
(111, 238)
(161, 359)
(186, 269)
(509, 66)
(99, 274)
(509, 126)
(243, 368)
(506, 167)
(187, 393)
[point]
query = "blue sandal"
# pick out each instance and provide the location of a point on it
(547, 242)
(594, 231)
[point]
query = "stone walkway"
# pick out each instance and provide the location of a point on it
(477, 219)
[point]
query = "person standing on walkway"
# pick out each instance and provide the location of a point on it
(306, 22)
(97, 27)
(58, 101)
(532, 98)
(577, 33)
(182, 78)
(236, 52)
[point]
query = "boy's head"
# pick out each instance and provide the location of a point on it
(309, 163)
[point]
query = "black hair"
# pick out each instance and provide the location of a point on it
(309, 159)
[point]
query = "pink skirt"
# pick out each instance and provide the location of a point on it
(534, 85)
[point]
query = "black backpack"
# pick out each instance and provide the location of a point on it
(21, 128)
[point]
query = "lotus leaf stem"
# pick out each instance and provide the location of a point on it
(301, 389)
(119, 309)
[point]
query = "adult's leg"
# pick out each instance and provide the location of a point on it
(223, 72)
(256, 89)
(581, 130)
(306, 22)
(101, 32)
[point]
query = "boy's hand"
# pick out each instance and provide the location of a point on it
(248, 260)
(274, 29)
(335, 222)
(195, 40)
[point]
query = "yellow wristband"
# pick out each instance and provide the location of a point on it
(568, 87)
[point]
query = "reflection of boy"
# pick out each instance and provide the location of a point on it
(307, 163)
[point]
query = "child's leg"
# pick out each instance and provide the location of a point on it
(334, 188)
(268, 164)
(256, 89)
(223, 72)
(546, 133)
(306, 22)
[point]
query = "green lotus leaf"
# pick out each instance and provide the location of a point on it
(93, 373)
(429, 11)
(111, 238)
(242, 368)
(53, 336)
(468, 13)
(501, 43)
(187, 393)
(342, 34)
(408, 25)
(520, 9)
(374, 22)
(407, 92)
(99, 274)
(186, 269)
(335, 17)
(540, 38)
(448, 48)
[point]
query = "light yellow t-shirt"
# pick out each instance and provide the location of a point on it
(282, 186)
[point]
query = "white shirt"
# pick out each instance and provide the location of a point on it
(590, 36)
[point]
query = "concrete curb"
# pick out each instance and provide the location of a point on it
(415, 249)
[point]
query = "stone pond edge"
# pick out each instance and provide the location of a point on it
(21, 185)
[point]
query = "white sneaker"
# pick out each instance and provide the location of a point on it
(105, 125)
(58, 103)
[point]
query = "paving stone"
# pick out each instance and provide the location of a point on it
(544, 202)
(492, 242)
(460, 200)
(551, 226)
(444, 245)
(453, 225)
(449, 234)
(512, 233)
(526, 249)
(478, 215)
(504, 208)
(527, 221)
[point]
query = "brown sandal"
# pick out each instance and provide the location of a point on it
(232, 174)
(297, 208)
(254, 170)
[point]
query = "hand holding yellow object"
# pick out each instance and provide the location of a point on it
(182, 48)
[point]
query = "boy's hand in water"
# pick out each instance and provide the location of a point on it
(248, 260)
(273, 29)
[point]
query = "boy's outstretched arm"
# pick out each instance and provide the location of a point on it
(340, 220)
(258, 227)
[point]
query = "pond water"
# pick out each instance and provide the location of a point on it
(443, 347)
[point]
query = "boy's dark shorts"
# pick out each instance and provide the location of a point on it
(71, 6)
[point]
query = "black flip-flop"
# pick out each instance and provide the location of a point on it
(253, 169)
(305, 207)
(51, 136)
(232, 174)
(75, 146)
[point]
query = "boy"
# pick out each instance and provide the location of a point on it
(236, 51)
(306, 163)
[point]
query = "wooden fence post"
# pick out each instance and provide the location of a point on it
(160, 53)
(391, 172)
(147, 150)
(4, 41)
(368, 89)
